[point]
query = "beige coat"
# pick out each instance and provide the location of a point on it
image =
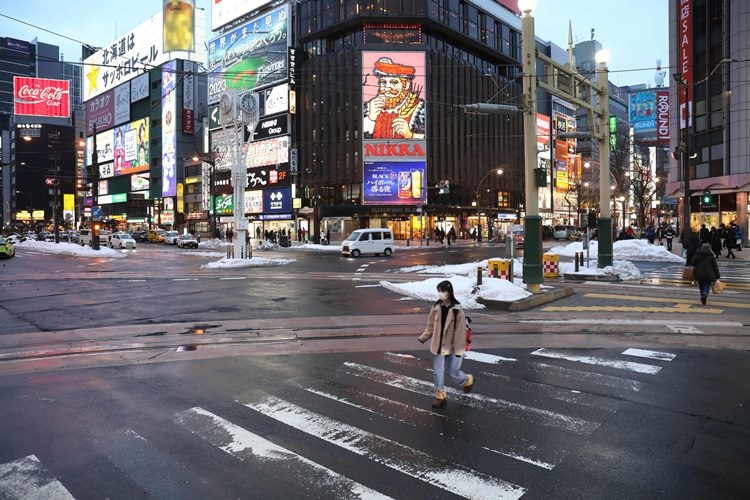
(453, 338)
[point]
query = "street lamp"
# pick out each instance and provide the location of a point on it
(212, 221)
(478, 200)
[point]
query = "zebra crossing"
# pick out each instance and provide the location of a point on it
(363, 429)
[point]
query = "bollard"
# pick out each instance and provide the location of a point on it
(428, 241)
(407, 242)
(581, 258)
(229, 252)
(479, 275)
(576, 257)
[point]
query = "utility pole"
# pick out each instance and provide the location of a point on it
(94, 175)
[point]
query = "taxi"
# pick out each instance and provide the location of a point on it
(7, 250)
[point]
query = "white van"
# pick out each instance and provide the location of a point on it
(375, 241)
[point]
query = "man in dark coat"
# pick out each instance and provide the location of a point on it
(704, 234)
(730, 240)
(705, 269)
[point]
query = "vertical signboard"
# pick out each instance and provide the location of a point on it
(662, 115)
(168, 134)
(642, 110)
(394, 128)
(685, 60)
(188, 97)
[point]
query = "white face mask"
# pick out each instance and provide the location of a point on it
(443, 295)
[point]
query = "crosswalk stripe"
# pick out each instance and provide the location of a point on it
(643, 353)
(451, 477)
(610, 381)
(27, 477)
(243, 444)
(591, 360)
(487, 403)
(538, 463)
(482, 357)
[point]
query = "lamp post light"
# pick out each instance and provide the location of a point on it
(478, 201)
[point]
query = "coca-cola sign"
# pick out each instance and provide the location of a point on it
(41, 97)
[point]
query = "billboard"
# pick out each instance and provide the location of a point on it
(225, 11)
(685, 60)
(134, 54)
(179, 25)
(394, 183)
(131, 148)
(662, 115)
(168, 129)
(41, 97)
(392, 92)
(251, 56)
(642, 111)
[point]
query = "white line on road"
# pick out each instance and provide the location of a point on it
(515, 410)
(244, 445)
(233, 278)
(27, 477)
(590, 360)
(436, 472)
(481, 357)
(623, 321)
(538, 463)
(642, 353)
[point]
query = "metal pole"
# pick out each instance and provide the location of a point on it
(532, 262)
(605, 216)
(94, 190)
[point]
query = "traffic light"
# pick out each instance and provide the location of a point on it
(706, 197)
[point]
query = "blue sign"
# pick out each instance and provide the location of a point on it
(277, 201)
(394, 183)
(97, 212)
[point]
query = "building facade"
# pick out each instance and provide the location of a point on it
(709, 46)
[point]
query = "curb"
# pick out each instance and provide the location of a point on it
(529, 302)
(590, 277)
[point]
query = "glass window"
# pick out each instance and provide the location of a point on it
(377, 236)
(364, 237)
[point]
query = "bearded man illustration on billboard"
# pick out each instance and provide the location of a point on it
(397, 111)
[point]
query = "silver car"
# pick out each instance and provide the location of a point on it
(122, 240)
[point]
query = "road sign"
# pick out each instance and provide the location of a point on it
(51, 181)
(96, 212)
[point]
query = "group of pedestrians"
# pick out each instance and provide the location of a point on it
(725, 237)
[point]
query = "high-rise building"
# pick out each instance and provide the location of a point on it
(709, 49)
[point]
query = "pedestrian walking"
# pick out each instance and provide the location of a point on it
(704, 234)
(715, 241)
(730, 240)
(669, 236)
(705, 269)
(229, 235)
(740, 236)
(692, 244)
(446, 331)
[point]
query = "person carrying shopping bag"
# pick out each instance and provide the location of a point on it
(706, 270)
(446, 331)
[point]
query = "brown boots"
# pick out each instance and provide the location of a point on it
(440, 398)
(469, 383)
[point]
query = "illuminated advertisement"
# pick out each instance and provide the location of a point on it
(168, 134)
(140, 182)
(179, 25)
(394, 183)
(642, 110)
(267, 177)
(277, 201)
(251, 56)
(225, 11)
(662, 115)
(104, 147)
(254, 202)
(685, 60)
(131, 148)
(135, 53)
(41, 97)
(565, 153)
(392, 92)
(269, 152)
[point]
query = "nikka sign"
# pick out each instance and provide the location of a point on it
(41, 97)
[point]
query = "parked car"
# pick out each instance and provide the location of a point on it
(121, 240)
(565, 233)
(548, 232)
(170, 237)
(7, 250)
(187, 241)
(374, 241)
(156, 235)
